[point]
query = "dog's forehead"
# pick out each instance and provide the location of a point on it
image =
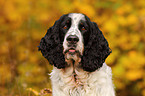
(76, 17)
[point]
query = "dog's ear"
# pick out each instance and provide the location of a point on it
(97, 49)
(51, 47)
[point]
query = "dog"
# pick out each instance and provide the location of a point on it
(77, 49)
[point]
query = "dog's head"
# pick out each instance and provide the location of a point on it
(75, 38)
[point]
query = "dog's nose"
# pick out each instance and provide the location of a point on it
(73, 39)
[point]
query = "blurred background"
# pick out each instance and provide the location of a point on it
(24, 71)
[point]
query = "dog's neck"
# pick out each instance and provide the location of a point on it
(73, 71)
(72, 65)
(72, 61)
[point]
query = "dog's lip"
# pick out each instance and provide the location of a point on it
(72, 50)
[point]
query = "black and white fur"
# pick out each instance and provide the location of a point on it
(77, 49)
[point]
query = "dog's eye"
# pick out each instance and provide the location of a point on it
(65, 27)
(83, 28)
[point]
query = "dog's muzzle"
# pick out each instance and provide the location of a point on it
(72, 41)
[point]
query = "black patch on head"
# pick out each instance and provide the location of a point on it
(64, 27)
(84, 28)
(96, 50)
(51, 44)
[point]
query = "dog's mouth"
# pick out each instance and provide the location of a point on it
(71, 51)
(72, 54)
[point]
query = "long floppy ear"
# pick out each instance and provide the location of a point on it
(97, 49)
(51, 47)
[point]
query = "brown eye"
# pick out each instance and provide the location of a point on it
(83, 28)
(65, 27)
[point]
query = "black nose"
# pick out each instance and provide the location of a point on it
(72, 39)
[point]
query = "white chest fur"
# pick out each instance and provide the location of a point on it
(76, 82)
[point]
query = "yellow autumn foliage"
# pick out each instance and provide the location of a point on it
(23, 70)
(132, 19)
(110, 26)
(34, 91)
(134, 74)
(84, 8)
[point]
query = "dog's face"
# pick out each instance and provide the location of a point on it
(76, 34)
(74, 37)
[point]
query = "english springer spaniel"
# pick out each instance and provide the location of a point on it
(77, 50)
